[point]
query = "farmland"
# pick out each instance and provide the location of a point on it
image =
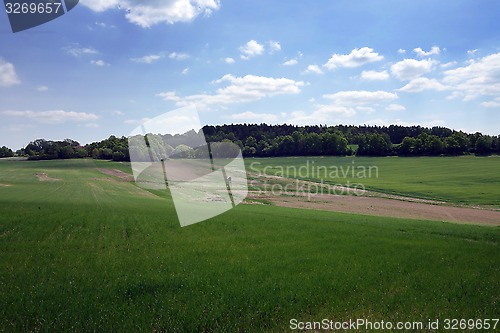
(462, 180)
(87, 250)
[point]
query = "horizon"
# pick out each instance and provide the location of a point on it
(82, 144)
(106, 66)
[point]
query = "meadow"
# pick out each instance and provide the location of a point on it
(466, 180)
(86, 251)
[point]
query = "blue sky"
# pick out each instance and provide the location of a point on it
(107, 65)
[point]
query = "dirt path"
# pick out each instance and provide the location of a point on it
(117, 173)
(370, 203)
(43, 177)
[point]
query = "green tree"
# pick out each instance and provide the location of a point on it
(483, 145)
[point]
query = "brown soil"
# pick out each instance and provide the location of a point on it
(385, 207)
(117, 173)
(5, 185)
(43, 177)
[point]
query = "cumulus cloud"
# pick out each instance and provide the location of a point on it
(347, 104)
(491, 104)
(77, 51)
(290, 62)
(479, 78)
(274, 46)
(100, 63)
(53, 116)
(147, 13)
(251, 49)
(422, 83)
(239, 90)
(147, 59)
(395, 107)
(229, 60)
(409, 69)
(356, 58)
(435, 50)
(472, 52)
(401, 51)
(374, 75)
(313, 69)
(252, 116)
(178, 56)
(360, 97)
(8, 76)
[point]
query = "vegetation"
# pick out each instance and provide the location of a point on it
(90, 253)
(282, 140)
(463, 180)
(6, 152)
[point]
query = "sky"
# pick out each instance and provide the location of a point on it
(108, 65)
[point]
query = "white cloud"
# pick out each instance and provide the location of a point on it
(479, 78)
(472, 52)
(77, 51)
(360, 97)
(409, 69)
(54, 116)
(448, 64)
(240, 90)
(491, 104)
(147, 13)
(435, 50)
(178, 56)
(313, 69)
(374, 75)
(100, 63)
(422, 83)
(229, 60)
(401, 51)
(274, 46)
(42, 88)
(290, 62)
(252, 116)
(136, 121)
(356, 58)
(395, 107)
(147, 59)
(251, 49)
(8, 76)
(346, 104)
(388, 122)
(185, 71)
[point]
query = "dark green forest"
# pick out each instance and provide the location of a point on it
(262, 140)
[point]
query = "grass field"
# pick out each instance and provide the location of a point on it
(89, 252)
(464, 180)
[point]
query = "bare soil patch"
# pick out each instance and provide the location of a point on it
(123, 176)
(5, 185)
(43, 177)
(385, 207)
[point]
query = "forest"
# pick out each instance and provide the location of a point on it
(262, 140)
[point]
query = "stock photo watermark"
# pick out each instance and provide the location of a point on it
(26, 14)
(310, 179)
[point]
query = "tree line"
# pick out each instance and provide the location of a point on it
(262, 140)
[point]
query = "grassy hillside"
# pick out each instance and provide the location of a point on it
(93, 252)
(465, 180)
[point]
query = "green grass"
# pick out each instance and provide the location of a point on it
(83, 254)
(464, 180)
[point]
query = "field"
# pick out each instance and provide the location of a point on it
(463, 180)
(84, 249)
